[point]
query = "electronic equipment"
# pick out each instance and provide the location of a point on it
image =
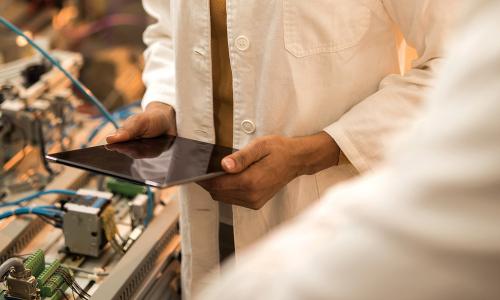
(34, 116)
(159, 162)
(110, 239)
(85, 217)
(90, 237)
(106, 244)
(65, 233)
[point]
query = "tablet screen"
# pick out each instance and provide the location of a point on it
(159, 162)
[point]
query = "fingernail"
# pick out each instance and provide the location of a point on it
(229, 163)
(111, 137)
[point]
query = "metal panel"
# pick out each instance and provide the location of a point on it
(136, 265)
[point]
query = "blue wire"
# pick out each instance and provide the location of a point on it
(47, 211)
(53, 207)
(123, 108)
(150, 206)
(121, 114)
(52, 60)
(37, 195)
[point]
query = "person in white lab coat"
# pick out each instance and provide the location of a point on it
(426, 225)
(310, 91)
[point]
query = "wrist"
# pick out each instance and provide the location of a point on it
(314, 153)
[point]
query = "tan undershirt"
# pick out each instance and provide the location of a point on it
(222, 76)
(222, 87)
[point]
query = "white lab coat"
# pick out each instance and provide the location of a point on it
(299, 67)
(424, 226)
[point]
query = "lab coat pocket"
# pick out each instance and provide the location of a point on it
(323, 26)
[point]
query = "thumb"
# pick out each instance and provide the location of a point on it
(120, 135)
(132, 128)
(244, 158)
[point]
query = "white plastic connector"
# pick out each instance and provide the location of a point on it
(94, 193)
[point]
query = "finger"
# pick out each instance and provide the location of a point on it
(224, 189)
(239, 182)
(242, 159)
(132, 128)
(119, 136)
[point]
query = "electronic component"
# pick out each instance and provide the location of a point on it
(31, 280)
(51, 281)
(110, 229)
(83, 226)
(54, 286)
(33, 73)
(33, 118)
(36, 262)
(124, 188)
(21, 284)
(48, 272)
(134, 236)
(129, 276)
(139, 210)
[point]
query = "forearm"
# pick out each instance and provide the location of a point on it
(314, 153)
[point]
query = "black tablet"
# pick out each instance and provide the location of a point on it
(159, 162)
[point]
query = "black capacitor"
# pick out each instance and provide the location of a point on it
(33, 73)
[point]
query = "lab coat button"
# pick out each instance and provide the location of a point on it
(248, 126)
(242, 43)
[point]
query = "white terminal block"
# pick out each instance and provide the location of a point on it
(140, 200)
(136, 233)
(94, 193)
(13, 105)
(134, 236)
(139, 209)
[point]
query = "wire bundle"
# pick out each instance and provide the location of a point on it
(110, 229)
(49, 211)
(70, 281)
(37, 195)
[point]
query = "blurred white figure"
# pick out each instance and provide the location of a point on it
(425, 226)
